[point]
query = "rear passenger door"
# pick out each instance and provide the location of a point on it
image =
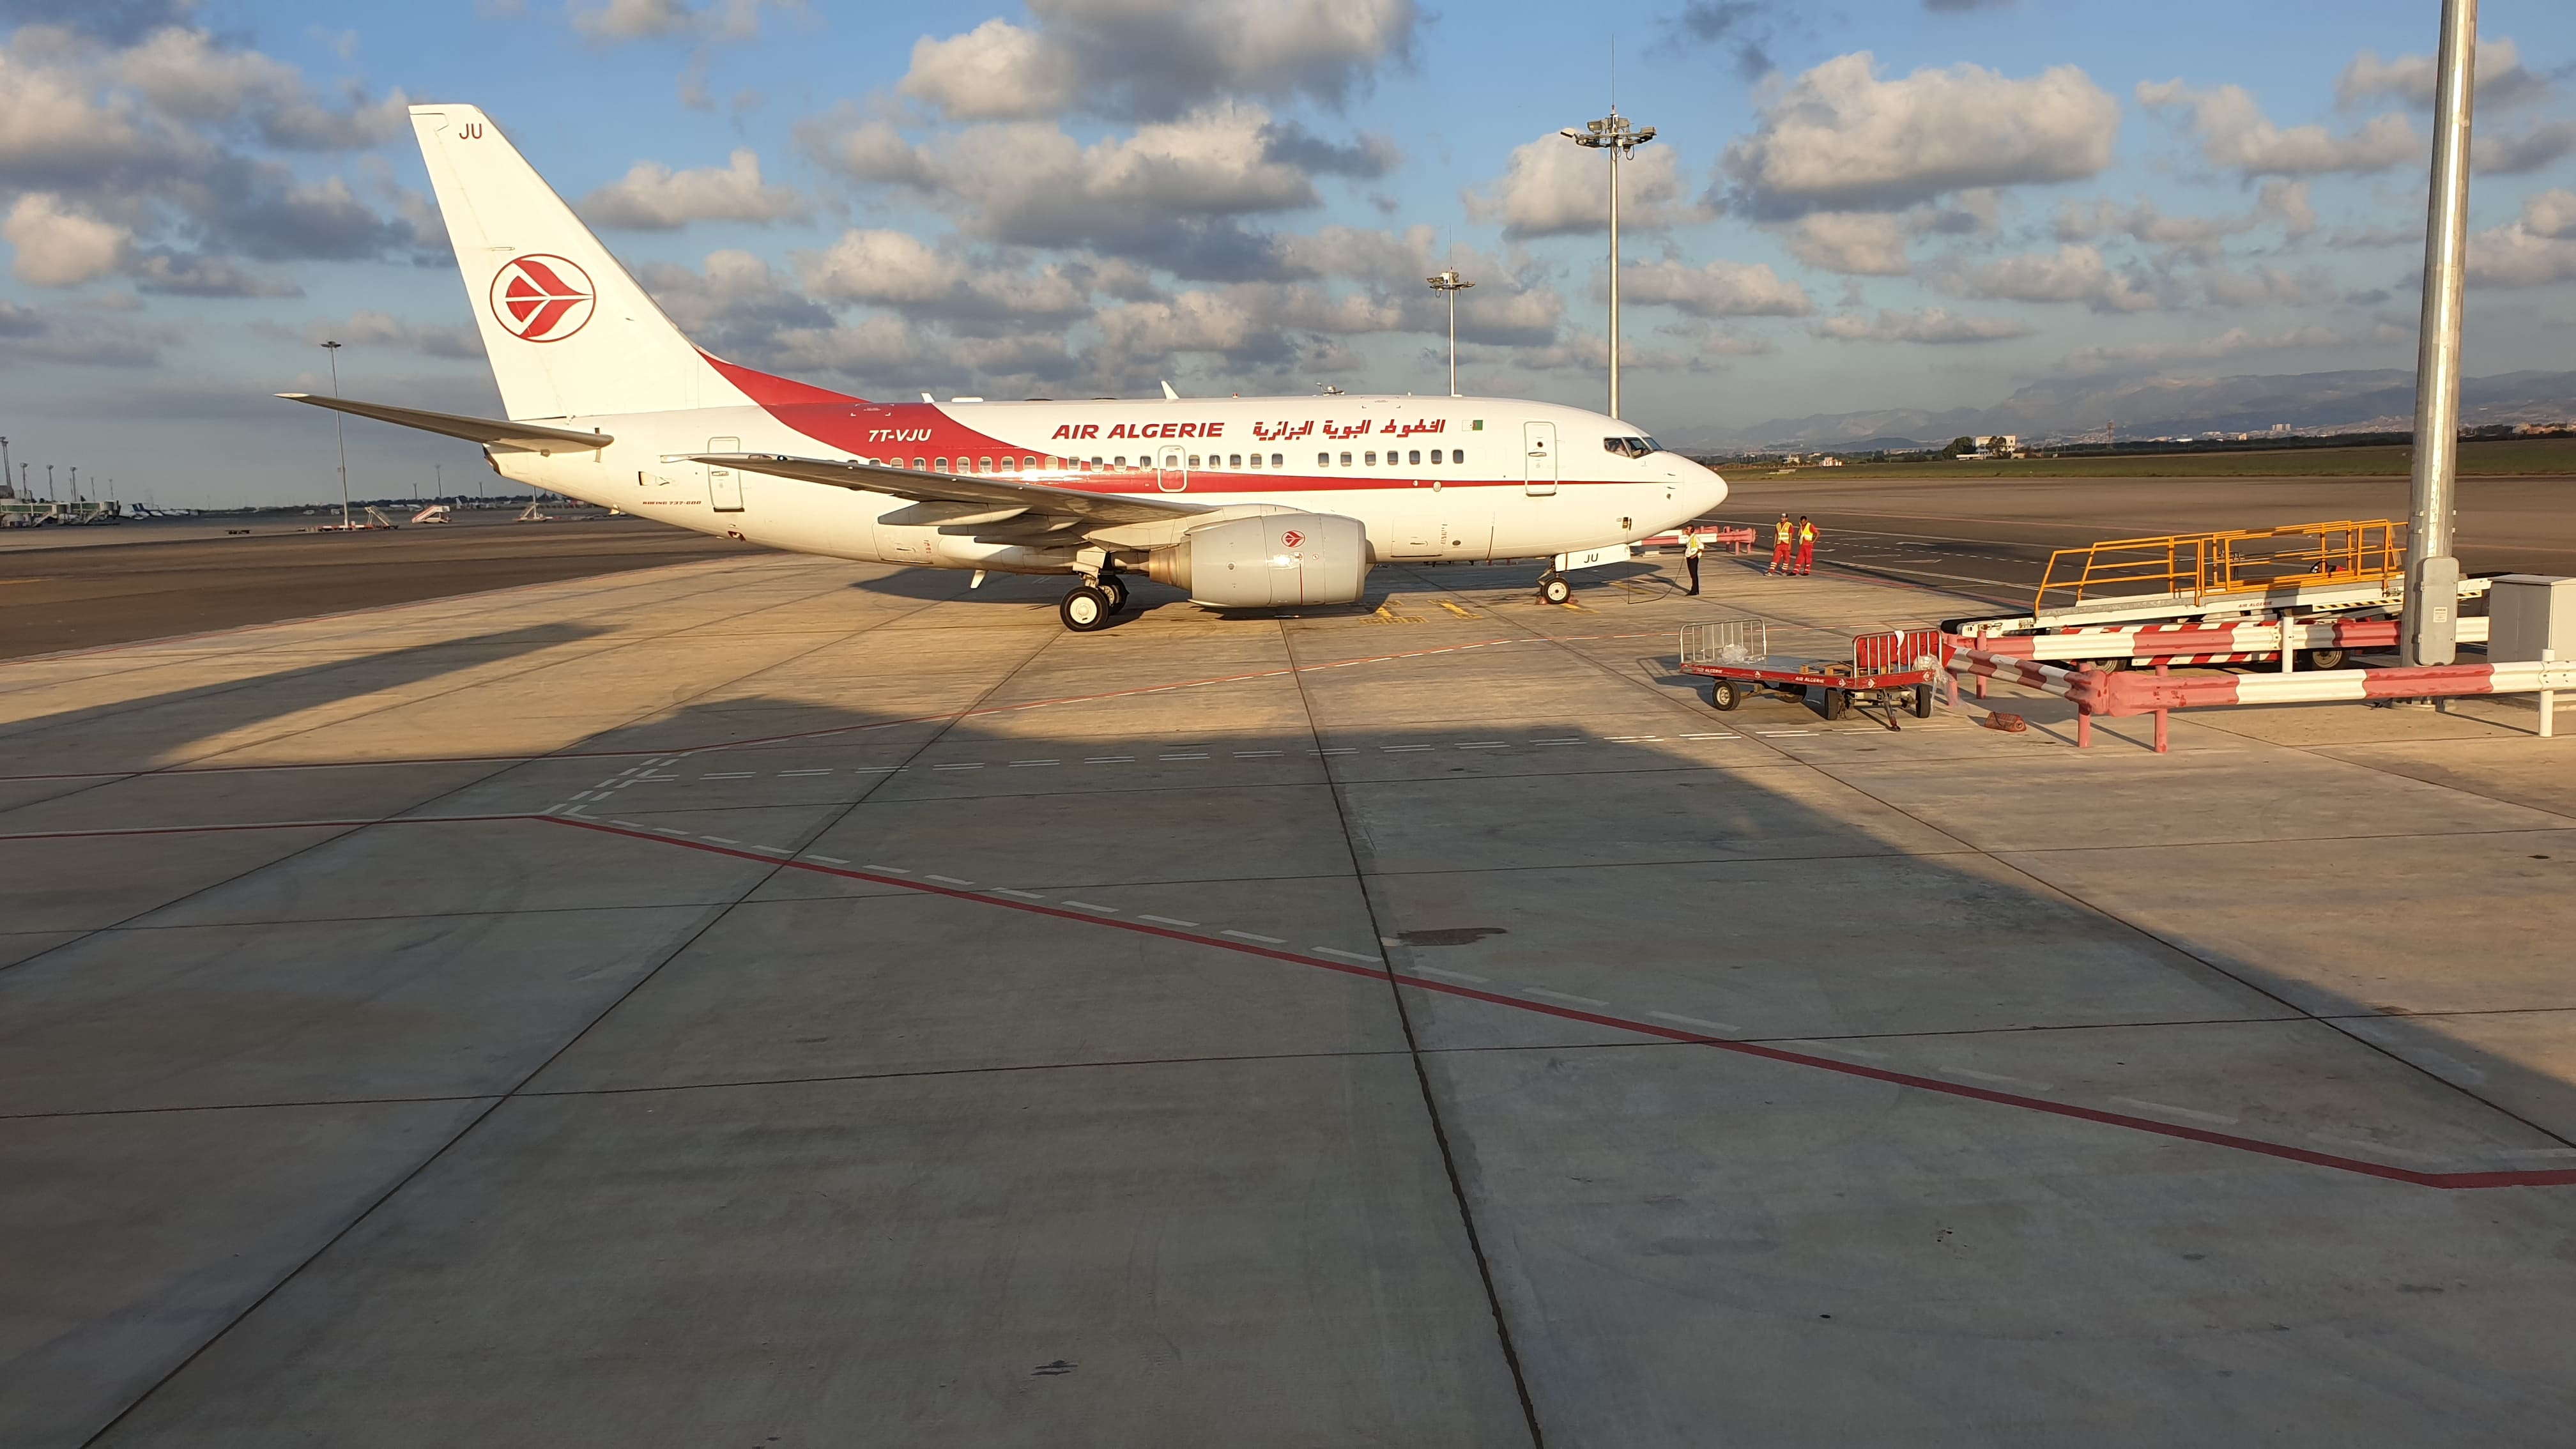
(724, 485)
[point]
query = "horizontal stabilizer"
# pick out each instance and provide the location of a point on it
(921, 487)
(492, 431)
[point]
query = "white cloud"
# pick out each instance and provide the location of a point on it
(1843, 139)
(1552, 187)
(2281, 203)
(893, 268)
(653, 197)
(59, 247)
(2518, 153)
(614, 21)
(1157, 58)
(370, 329)
(1931, 325)
(1719, 289)
(2502, 79)
(1854, 243)
(2075, 273)
(2148, 355)
(2534, 250)
(2235, 135)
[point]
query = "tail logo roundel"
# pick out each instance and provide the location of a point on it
(542, 298)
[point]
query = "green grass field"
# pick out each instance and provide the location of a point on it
(2506, 458)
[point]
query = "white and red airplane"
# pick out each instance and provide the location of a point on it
(1244, 502)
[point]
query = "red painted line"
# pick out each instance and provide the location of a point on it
(2552, 1177)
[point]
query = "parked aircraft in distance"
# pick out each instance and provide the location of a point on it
(1244, 502)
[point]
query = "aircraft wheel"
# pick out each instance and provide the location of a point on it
(1725, 694)
(1554, 590)
(1085, 609)
(1116, 589)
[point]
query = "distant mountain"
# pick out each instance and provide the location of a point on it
(2381, 399)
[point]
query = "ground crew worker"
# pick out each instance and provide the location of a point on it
(1692, 544)
(1780, 537)
(1806, 546)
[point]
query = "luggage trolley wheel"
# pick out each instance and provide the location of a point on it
(1836, 703)
(1725, 694)
(1923, 701)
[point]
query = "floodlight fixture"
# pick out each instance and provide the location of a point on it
(1452, 284)
(1617, 135)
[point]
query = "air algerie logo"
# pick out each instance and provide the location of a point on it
(542, 298)
(1292, 538)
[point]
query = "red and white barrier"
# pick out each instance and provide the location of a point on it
(2096, 691)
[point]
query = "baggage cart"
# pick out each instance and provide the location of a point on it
(1890, 670)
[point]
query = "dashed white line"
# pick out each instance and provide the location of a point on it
(1401, 749)
(1023, 895)
(1346, 955)
(731, 775)
(1632, 739)
(1341, 750)
(1563, 996)
(667, 830)
(1488, 745)
(1693, 1021)
(948, 880)
(1712, 737)
(1181, 757)
(831, 860)
(1111, 760)
(1974, 1075)
(1088, 906)
(783, 774)
(2170, 1110)
(1025, 764)
(1167, 920)
(769, 850)
(1777, 734)
(887, 869)
(1452, 975)
(723, 840)
(1556, 742)
(975, 765)
(1257, 754)
(1249, 936)
(629, 824)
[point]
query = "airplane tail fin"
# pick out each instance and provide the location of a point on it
(570, 334)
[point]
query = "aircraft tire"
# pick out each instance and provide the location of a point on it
(1554, 590)
(1086, 609)
(1116, 589)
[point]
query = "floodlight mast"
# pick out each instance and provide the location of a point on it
(1451, 283)
(339, 434)
(2431, 608)
(1615, 134)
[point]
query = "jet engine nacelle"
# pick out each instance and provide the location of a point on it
(1269, 561)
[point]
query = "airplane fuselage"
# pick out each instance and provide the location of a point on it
(1430, 478)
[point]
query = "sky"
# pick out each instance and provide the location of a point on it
(1857, 205)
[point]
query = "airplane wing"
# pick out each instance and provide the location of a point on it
(1001, 500)
(531, 436)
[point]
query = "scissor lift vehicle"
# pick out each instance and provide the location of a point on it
(1891, 670)
(2323, 590)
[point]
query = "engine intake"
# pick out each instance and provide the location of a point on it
(1267, 562)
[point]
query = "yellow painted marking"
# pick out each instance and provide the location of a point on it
(1454, 609)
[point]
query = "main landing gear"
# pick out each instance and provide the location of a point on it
(1092, 605)
(1553, 589)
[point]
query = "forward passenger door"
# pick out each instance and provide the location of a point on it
(1539, 442)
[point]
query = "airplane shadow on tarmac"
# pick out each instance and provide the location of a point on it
(830, 1024)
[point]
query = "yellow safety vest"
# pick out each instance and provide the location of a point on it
(1782, 535)
(1806, 533)
(1692, 543)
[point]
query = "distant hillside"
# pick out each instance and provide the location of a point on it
(2377, 399)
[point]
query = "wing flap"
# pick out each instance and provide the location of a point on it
(996, 493)
(493, 432)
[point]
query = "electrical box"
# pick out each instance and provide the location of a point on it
(2529, 613)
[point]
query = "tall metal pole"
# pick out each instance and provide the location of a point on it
(1451, 283)
(1615, 135)
(1614, 281)
(49, 483)
(340, 433)
(2432, 573)
(5, 474)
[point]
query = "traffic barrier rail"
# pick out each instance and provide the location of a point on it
(2096, 691)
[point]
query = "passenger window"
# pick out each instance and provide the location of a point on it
(1278, 460)
(1194, 460)
(983, 465)
(1346, 459)
(1006, 465)
(1372, 460)
(1457, 455)
(943, 465)
(1323, 460)
(920, 463)
(1256, 460)
(1234, 460)
(1416, 456)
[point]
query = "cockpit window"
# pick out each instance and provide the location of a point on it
(1631, 446)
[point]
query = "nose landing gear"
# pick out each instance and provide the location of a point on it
(1553, 589)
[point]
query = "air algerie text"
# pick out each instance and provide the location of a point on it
(1081, 432)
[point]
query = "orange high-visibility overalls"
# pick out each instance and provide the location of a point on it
(1806, 548)
(1780, 548)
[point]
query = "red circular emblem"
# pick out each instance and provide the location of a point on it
(541, 298)
(1292, 538)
